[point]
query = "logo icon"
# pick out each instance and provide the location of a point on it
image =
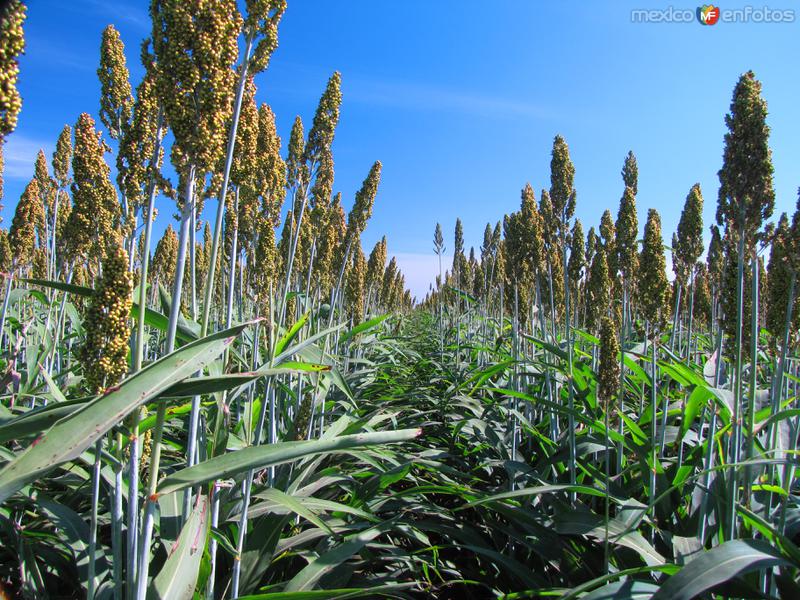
(708, 14)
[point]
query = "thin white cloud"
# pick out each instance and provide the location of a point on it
(421, 270)
(55, 54)
(418, 96)
(19, 153)
(120, 11)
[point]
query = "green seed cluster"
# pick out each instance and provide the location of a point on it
(165, 257)
(598, 291)
(376, 265)
(630, 173)
(28, 222)
(47, 185)
(105, 350)
(95, 215)
(62, 158)
(365, 200)
(12, 44)
(577, 259)
(523, 246)
(746, 195)
(356, 285)
(626, 235)
(138, 139)
(653, 284)
(689, 239)
(562, 191)
(323, 127)
(195, 46)
(6, 255)
(2, 168)
(271, 174)
(262, 21)
(296, 169)
(609, 372)
(116, 100)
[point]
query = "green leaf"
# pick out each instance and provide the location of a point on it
(298, 347)
(20, 293)
(70, 436)
(308, 577)
(291, 367)
(362, 327)
(37, 420)
(160, 321)
(533, 491)
(578, 522)
(718, 565)
(153, 318)
(199, 386)
(76, 533)
(70, 288)
(312, 504)
(178, 576)
(55, 391)
(623, 590)
(340, 594)
(697, 400)
(257, 457)
(484, 374)
(188, 329)
(294, 505)
(468, 297)
(521, 571)
(280, 346)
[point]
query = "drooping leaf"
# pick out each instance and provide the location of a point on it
(623, 590)
(718, 565)
(73, 434)
(178, 577)
(258, 457)
(37, 420)
(362, 327)
(287, 338)
(388, 590)
(310, 575)
(76, 534)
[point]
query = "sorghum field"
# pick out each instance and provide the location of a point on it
(267, 413)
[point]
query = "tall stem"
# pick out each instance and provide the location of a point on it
(6, 299)
(138, 357)
(93, 519)
(53, 263)
(570, 391)
(622, 337)
(709, 459)
(653, 421)
(212, 544)
(237, 109)
(338, 287)
(232, 261)
(735, 442)
(117, 517)
(691, 317)
(777, 382)
(441, 306)
(295, 239)
(676, 317)
(172, 327)
(751, 399)
(193, 264)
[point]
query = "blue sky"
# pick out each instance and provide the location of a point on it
(461, 100)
